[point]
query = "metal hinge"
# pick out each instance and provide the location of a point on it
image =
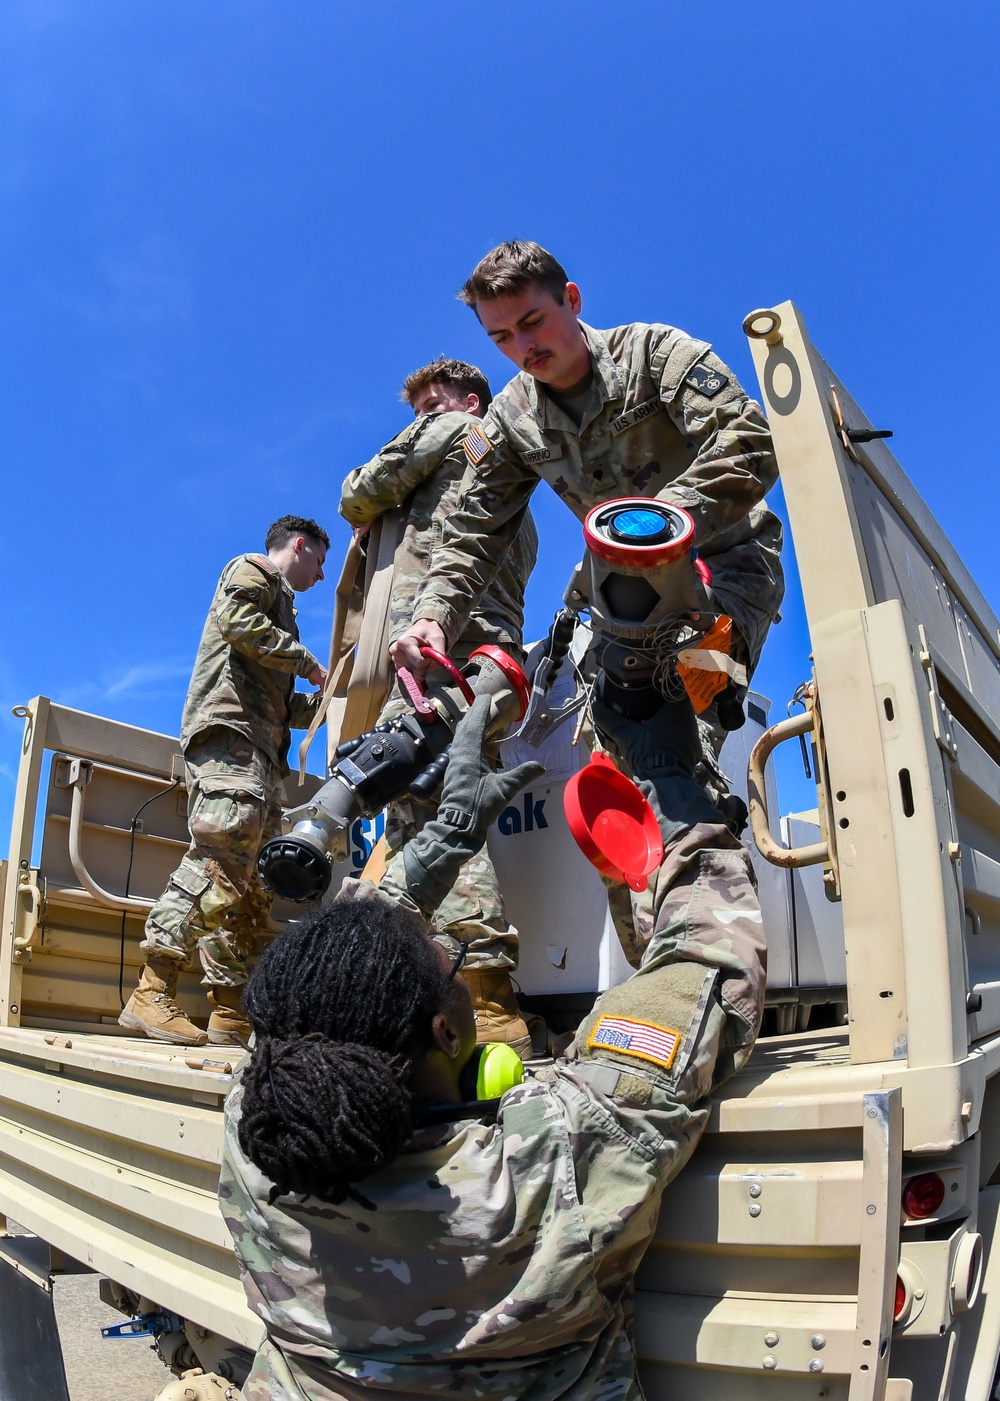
(941, 716)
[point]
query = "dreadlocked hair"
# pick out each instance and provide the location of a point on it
(341, 1005)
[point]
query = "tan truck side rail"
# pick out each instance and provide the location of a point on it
(897, 625)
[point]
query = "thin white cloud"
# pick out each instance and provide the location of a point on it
(144, 677)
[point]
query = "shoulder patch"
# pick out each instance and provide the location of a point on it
(633, 416)
(477, 446)
(644, 1040)
(706, 381)
(547, 454)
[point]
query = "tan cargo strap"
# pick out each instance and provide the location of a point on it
(360, 671)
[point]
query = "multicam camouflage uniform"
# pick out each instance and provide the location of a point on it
(499, 1262)
(240, 706)
(423, 468)
(664, 418)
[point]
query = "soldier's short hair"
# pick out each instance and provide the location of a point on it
(509, 268)
(285, 528)
(459, 374)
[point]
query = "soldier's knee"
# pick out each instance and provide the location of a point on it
(230, 825)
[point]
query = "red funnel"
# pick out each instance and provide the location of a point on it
(612, 823)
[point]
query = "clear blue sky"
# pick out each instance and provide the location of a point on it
(230, 228)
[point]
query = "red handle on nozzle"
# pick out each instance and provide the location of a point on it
(415, 691)
(446, 664)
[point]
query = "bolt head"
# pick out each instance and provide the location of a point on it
(770, 1363)
(816, 1365)
(818, 1341)
(754, 1210)
(755, 1189)
(771, 1339)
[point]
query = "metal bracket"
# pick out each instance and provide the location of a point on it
(68, 772)
(941, 717)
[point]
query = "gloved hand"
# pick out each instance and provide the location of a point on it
(661, 754)
(472, 798)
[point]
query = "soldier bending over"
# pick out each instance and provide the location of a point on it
(240, 706)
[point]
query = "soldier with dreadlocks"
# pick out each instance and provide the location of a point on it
(397, 1235)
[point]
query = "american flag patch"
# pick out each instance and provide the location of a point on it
(631, 1038)
(476, 445)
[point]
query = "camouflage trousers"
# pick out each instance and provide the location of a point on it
(473, 909)
(215, 899)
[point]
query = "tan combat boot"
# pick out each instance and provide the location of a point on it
(228, 1025)
(498, 1017)
(152, 1010)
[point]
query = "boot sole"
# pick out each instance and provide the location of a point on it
(521, 1045)
(225, 1038)
(133, 1023)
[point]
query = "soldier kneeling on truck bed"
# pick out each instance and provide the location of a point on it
(241, 705)
(404, 1225)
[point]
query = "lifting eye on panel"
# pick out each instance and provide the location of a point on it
(763, 325)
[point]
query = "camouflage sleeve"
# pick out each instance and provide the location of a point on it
(396, 472)
(302, 708)
(734, 464)
(688, 1018)
(246, 593)
(479, 534)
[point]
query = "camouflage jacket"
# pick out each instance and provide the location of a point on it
(500, 1259)
(248, 659)
(421, 470)
(664, 418)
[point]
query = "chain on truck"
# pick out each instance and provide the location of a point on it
(834, 1234)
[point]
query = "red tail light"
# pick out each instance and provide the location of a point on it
(922, 1196)
(900, 1303)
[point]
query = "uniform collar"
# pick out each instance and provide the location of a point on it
(606, 387)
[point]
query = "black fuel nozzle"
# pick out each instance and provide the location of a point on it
(406, 754)
(377, 769)
(426, 784)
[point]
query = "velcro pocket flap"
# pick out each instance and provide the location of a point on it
(652, 1021)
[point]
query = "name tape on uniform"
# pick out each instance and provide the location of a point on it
(707, 381)
(477, 446)
(636, 415)
(645, 1040)
(541, 455)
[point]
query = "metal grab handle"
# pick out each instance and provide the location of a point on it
(102, 896)
(760, 825)
(31, 890)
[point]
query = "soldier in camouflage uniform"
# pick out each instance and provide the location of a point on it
(641, 410)
(492, 1251)
(420, 472)
(240, 707)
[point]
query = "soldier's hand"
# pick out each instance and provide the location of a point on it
(405, 651)
(360, 531)
(317, 677)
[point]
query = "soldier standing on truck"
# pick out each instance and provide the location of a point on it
(240, 706)
(401, 1231)
(641, 410)
(420, 471)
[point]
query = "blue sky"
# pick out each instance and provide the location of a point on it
(228, 229)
